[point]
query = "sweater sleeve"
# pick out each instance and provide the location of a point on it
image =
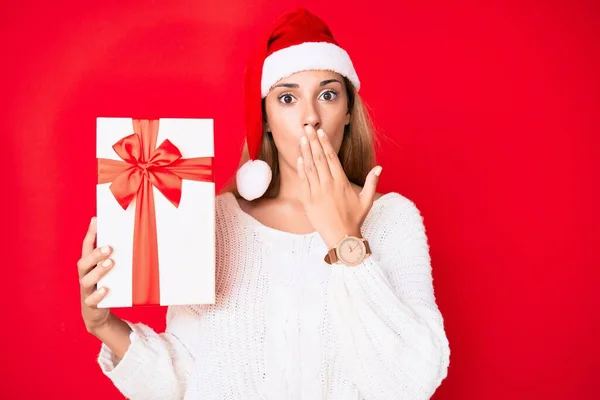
(156, 366)
(390, 331)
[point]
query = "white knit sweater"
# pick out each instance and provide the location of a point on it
(288, 326)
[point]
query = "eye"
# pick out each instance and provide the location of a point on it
(286, 98)
(328, 95)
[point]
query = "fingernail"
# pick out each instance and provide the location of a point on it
(104, 250)
(106, 263)
(320, 132)
(378, 170)
(299, 160)
(102, 290)
(303, 140)
(92, 221)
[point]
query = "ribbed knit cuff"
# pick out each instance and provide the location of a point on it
(131, 360)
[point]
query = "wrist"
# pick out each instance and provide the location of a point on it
(115, 333)
(103, 329)
(350, 250)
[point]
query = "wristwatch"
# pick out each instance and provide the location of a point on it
(350, 251)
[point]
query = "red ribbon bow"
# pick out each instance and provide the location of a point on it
(144, 165)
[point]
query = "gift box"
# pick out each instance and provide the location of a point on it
(155, 206)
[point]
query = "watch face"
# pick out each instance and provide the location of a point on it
(351, 251)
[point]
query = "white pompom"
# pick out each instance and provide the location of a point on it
(253, 179)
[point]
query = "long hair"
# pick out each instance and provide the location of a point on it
(357, 153)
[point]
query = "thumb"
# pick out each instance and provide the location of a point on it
(367, 194)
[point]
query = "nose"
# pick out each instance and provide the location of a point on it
(311, 116)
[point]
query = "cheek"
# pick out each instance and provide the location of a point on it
(286, 143)
(281, 119)
(286, 127)
(335, 126)
(286, 133)
(286, 124)
(335, 115)
(336, 141)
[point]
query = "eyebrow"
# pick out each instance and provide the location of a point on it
(330, 81)
(295, 85)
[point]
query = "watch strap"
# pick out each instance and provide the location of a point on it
(331, 256)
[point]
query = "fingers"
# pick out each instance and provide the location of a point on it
(89, 239)
(318, 154)
(333, 161)
(89, 281)
(367, 194)
(95, 297)
(86, 263)
(310, 170)
(304, 185)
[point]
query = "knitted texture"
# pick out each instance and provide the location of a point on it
(288, 326)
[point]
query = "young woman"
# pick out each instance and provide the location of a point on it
(324, 287)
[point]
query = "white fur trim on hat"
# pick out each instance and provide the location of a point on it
(304, 57)
(253, 179)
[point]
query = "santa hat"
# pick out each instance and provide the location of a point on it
(298, 41)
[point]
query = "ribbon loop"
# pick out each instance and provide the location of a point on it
(165, 154)
(129, 149)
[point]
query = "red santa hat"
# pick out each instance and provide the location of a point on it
(298, 41)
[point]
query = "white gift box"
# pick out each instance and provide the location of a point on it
(185, 234)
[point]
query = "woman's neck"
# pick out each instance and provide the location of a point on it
(289, 183)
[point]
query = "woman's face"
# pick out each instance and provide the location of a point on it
(316, 98)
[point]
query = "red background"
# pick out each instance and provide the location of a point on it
(490, 117)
